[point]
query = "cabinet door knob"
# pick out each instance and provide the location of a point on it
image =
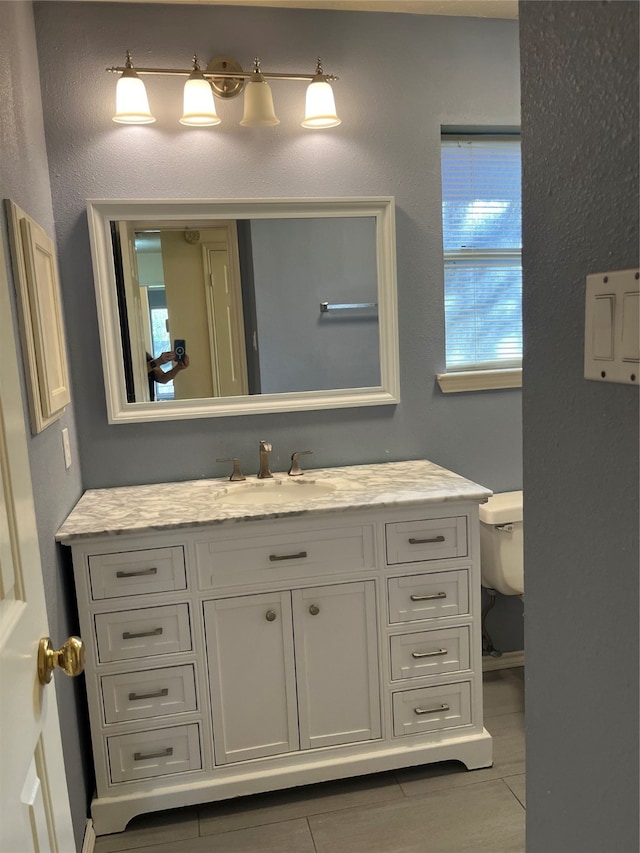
(270, 616)
(314, 609)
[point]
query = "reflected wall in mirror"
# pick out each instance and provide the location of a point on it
(284, 304)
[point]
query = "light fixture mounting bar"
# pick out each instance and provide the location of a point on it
(118, 69)
(234, 75)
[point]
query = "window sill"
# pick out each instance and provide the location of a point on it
(479, 380)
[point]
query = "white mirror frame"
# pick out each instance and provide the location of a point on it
(100, 213)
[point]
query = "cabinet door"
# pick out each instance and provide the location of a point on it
(252, 678)
(337, 664)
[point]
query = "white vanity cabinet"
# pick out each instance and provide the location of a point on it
(231, 653)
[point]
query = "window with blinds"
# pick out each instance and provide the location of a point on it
(481, 217)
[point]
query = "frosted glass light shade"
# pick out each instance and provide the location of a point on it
(258, 105)
(132, 104)
(320, 106)
(199, 106)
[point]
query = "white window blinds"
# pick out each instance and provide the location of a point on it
(481, 216)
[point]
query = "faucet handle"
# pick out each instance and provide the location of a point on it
(237, 473)
(295, 470)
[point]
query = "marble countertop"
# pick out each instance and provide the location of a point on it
(170, 506)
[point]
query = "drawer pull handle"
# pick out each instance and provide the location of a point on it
(154, 632)
(429, 654)
(299, 556)
(437, 710)
(164, 691)
(314, 609)
(164, 753)
(270, 615)
(138, 573)
(431, 597)
(413, 541)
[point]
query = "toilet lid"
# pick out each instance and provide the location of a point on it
(502, 508)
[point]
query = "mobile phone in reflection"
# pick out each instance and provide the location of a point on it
(180, 348)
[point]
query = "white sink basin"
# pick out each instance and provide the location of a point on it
(275, 492)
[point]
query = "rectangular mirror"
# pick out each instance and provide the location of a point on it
(282, 305)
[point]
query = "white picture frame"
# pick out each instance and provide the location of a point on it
(40, 318)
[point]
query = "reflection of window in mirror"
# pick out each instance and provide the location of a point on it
(153, 301)
(159, 336)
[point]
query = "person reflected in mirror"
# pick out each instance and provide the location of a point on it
(155, 373)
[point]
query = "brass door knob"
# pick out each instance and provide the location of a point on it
(70, 658)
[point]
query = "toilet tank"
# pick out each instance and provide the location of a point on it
(501, 543)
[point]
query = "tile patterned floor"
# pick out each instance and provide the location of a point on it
(439, 808)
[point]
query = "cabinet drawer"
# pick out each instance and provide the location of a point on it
(284, 556)
(428, 596)
(432, 539)
(162, 752)
(430, 653)
(137, 572)
(153, 693)
(431, 709)
(140, 633)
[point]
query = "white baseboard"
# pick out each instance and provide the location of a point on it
(505, 661)
(89, 842)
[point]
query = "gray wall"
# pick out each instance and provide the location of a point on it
(580, 201)
(24, 178)
(434, 71)
(297, 265)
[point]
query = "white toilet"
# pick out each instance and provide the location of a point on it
(501, 551)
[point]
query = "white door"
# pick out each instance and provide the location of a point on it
(34, 804)
(226, 319)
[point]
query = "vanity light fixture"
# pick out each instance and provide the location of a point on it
(132, 104)
(320, 104)
(258, 101)
(199, 107)
(225, 78)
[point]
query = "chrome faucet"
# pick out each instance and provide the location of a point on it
(265, 449)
